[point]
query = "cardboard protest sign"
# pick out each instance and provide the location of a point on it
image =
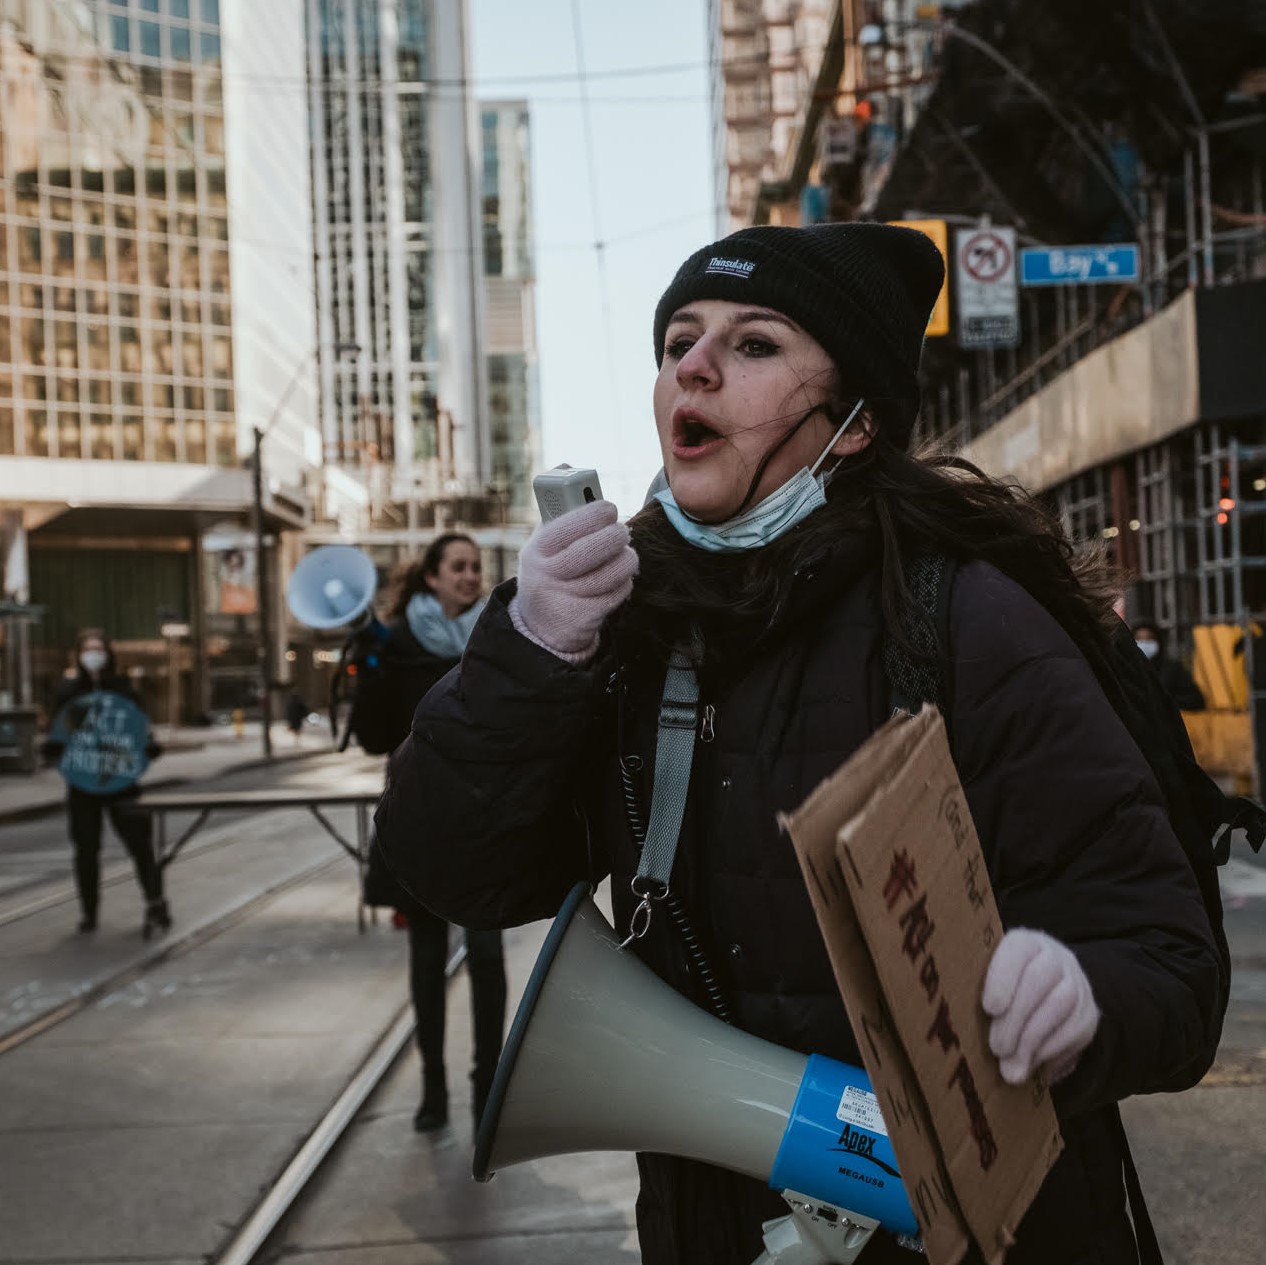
(106, 737)
(898, 883)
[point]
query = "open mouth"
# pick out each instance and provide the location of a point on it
(692, 434)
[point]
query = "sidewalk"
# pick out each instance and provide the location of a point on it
(189, 755)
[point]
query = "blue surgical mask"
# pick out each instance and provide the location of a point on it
(765, 521)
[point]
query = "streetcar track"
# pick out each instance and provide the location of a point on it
(288, 1188)
(164, 952)
(122, 873)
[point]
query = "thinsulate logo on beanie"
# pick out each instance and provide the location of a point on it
(730, 267)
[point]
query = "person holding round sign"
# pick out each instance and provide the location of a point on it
(101, 741)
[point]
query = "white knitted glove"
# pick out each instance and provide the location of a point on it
(573, 572)
(1044, 1014)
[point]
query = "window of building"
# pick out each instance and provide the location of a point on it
(225, 445)
(101, 436)
(210, 10)
(133, 439)
(69, 439)
(29, 250)
(36, 437)
(120, 40)
(195, 441)
(181, 49)
(151, 39)
(209, 47)
(31, 340)
(165, 438)
(8, 435)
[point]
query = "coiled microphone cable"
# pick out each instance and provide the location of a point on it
(695, 953)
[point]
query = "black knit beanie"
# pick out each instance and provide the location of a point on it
(863, 290)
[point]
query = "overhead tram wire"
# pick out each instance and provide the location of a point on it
(599, 245)
(490, 85)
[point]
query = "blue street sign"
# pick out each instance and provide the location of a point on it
(1079, 265)
(105, 736)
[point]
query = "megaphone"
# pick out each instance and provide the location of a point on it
(604, 1056)
(332, 586)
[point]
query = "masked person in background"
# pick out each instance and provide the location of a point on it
(435, 605)
(95, 670)
(785, 402)
(1176, 681)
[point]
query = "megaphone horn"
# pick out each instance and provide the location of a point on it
(332, 586)
(604, 1056)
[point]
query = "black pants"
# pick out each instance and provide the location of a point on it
(134, 829)
(428, 955)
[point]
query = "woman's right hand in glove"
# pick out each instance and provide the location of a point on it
(573, 572)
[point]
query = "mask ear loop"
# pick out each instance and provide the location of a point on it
(835, 439)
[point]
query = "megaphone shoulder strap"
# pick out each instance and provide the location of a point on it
(674, 757)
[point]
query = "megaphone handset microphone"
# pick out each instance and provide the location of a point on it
(687, 1084)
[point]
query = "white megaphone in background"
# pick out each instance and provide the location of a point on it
(332, 587)
(604, 1056)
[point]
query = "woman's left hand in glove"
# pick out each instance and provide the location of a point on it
(1044, 1013)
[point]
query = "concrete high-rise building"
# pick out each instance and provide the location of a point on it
(765, 56)
(156, 305)
(404, 399)
(510, 303)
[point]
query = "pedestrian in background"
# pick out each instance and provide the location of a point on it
(1174, 677)
(778, 559)
(434, 606)
(95, 670)
(296, 714)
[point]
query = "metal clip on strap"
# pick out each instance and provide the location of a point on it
(674, 755)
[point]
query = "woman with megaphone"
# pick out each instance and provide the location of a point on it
(432, 609)
(778, 560)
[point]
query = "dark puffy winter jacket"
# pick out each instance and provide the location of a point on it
(410, 671)
(513, 757)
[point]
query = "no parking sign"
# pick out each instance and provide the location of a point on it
(985, 284)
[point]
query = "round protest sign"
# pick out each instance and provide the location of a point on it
(105, 736)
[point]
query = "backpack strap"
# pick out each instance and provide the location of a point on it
(923, 676)
(1144, 1231)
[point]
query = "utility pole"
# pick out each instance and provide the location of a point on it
(263, 603)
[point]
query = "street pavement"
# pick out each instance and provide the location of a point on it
(145, 1126)
(389, 1196)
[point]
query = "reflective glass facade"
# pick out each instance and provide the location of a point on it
(510, 273)
(115, 338)
(374, 224)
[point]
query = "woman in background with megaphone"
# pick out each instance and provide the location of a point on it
(434, 606)
(785, 404)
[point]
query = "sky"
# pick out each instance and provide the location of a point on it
(650, 193)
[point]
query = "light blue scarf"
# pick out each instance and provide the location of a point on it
(434, 631)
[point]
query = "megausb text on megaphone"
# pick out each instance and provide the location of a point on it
(332, 587)
(604, 1056)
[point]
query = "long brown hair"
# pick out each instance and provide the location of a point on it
(892, 504)
(412, 577)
